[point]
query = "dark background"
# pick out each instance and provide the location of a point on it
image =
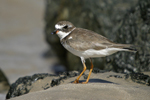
(123, 21)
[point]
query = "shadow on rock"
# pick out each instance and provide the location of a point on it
(95, 81)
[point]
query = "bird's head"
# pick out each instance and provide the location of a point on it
(63, 28)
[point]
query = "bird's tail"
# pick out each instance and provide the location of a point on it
(126, 47)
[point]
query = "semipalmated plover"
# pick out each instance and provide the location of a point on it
(86, 44)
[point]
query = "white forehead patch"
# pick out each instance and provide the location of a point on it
(59, 26)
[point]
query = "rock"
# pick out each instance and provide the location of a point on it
(104, 91)
(139, 78)
(135, 29)
(24, 84)
(120, 21)
(36, 82)
(105, 86)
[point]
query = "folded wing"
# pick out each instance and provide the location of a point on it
(91, 40)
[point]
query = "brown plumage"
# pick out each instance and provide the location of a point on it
(79, 40)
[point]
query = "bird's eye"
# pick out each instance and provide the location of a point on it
(65, 27)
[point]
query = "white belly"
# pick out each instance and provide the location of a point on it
(91, 53)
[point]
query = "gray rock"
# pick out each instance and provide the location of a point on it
(39, 82)
(24, 84)
(36, 82)
(105, 86)
(91, 91)
(134, 30)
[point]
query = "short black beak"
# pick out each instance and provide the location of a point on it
(54, 32)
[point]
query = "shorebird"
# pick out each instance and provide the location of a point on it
(86, 44)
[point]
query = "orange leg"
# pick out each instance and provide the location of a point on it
(91, 68)
(84, 69)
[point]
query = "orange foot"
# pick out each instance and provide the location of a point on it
(76, 81)
(84, 82)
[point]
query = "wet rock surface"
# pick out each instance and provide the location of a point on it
(120, 21)
(101, 85)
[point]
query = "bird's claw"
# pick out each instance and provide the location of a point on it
(76, 81)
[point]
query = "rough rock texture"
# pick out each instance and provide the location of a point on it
(90, 91)
(105, 86)
(24, 84)
(123, 21)
(36, 82)
(40, 82)
(139, 78)
(135, 29)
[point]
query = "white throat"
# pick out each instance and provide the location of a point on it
(64, 34)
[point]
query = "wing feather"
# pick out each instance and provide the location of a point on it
(83, 39)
